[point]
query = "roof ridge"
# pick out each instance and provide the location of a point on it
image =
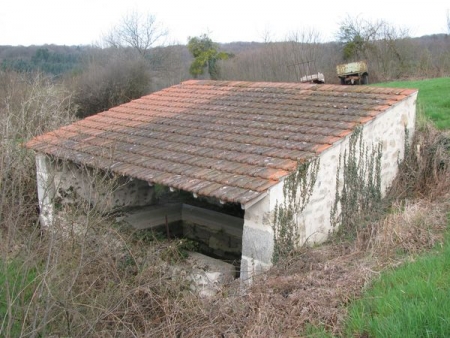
(297, 85)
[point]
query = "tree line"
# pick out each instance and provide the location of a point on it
(133, 59)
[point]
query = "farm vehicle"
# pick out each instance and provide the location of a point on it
(353, 73)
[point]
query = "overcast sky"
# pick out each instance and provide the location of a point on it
(81, 22)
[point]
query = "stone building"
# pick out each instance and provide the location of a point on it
(231, 146)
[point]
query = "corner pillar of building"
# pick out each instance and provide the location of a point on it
(45, 190)
(257, 241)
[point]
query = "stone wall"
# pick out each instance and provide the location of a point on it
(314, 223)
(60, 182)
(387, 129)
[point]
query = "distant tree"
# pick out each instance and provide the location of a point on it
(46, 61)
(383, 45)
(138, 31)
(41, 55)
(18, 65)
(357, 36)
(206, 56)
(303, 53)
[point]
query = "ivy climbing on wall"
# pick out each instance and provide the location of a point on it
(358, 197)
(297, 190)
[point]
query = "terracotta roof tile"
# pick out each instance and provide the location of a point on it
(231, 140)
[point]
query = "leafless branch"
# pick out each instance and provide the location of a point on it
(138, 31)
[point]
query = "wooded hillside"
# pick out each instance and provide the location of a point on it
(102, 77)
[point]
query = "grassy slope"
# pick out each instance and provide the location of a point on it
(414, 300)
(434, 97)
(411, 301)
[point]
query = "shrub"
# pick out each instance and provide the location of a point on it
(30, 104)
(110, 79)
(425, 171)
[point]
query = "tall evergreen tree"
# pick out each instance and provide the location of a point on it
(206, 55)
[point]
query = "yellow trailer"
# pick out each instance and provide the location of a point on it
(353, 73)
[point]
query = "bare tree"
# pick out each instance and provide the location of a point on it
(303, 52)
(110, 78)
(391, 51)
(146, 37)
(357, 36)
(380, 43)
(138, 31)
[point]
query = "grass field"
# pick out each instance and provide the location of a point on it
(434, 98)
(413, 300)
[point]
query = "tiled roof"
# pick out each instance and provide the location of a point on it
(228, 140)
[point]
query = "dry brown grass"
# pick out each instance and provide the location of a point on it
(408, 229)
(108, 283)
(425, 171)
(315, 287)
(125, 289)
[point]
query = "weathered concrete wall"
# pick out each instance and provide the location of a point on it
(153, 216)
(64, 182)
(257, 239)
(101, 190)
(46, 189)
(314, 223)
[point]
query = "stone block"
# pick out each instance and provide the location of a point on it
(257, 244)
(208, 275)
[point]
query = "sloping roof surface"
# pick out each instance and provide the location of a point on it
(229, 140)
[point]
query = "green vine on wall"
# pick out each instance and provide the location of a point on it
(360, 195)
(297, 190)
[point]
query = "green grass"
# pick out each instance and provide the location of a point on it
(411, 301)
(434, 98)
(16, 289)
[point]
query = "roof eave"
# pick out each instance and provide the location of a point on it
(252, 202)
